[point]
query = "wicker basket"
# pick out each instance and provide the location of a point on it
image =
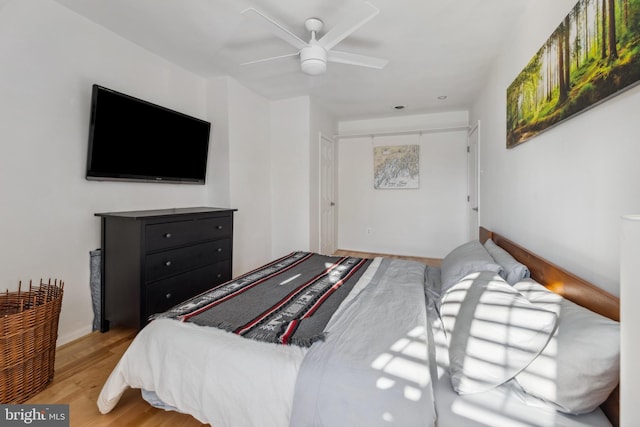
(28, 334)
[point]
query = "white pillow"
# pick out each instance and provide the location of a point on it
(493, 332)
(580, 366)
(467, 258)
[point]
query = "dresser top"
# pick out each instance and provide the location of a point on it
(158, 213)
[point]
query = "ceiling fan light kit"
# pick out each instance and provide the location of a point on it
(313, 60)
(314, 54)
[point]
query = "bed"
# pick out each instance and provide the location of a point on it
(387, 352)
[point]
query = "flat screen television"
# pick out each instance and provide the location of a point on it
(135, 140)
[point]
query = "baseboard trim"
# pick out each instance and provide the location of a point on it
(73, 335)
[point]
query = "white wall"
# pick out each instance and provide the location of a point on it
(50, 59)
(429, 221)
(290, 175)
(218, 176)
(563, 192)
(271, 155)
(296, 124)
(249, 176)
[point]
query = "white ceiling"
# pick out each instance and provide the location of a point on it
(434, 48)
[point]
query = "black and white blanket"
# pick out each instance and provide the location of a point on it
(288, 301)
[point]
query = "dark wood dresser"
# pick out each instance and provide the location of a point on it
(154, 259)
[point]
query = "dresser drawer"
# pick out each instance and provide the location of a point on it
(175, 261)
(164, 294)
(178, 233)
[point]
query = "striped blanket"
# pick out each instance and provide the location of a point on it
(288, 301)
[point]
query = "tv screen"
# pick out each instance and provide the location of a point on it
(135, 140)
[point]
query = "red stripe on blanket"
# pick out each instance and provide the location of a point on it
(291, 328)
(247, 327)
(327, 294)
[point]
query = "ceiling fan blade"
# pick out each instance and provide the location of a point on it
(355, 59)
(277, 29)
(355, 18)
(273, 58)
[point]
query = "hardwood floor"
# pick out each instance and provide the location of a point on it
(82, 367)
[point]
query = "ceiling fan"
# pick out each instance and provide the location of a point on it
(315, 53)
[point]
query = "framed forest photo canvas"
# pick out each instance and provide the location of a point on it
(592, 55)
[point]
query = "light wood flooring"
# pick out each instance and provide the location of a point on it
(82, 367)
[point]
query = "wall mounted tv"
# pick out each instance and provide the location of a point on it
(135, 140)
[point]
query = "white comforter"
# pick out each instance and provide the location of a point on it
(373, 369)
(216, 376)
(373, 366)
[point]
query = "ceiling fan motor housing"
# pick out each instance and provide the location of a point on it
(313, 60)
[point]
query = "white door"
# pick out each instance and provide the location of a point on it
(327, 196)
(472, 179)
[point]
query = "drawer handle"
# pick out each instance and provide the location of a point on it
(219, 249)
(167, 235)
(168, 296)
(219, 275)
(168, 263)
(219, 227)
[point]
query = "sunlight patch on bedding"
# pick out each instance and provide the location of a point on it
(382, 360)
(491, 418)
(482, 352)
(399, 345)
(416, 350)
(408, 370)
(419, 332)
(412, 393)
(543, 372)
(385, 383)
(403, 368)
(334, 271)
(406, 360)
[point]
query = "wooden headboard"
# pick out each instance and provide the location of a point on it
(570, 287)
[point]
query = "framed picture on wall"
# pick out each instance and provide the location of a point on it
(593, 55)
(396, 166)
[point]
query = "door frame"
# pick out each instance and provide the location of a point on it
(473, 179)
